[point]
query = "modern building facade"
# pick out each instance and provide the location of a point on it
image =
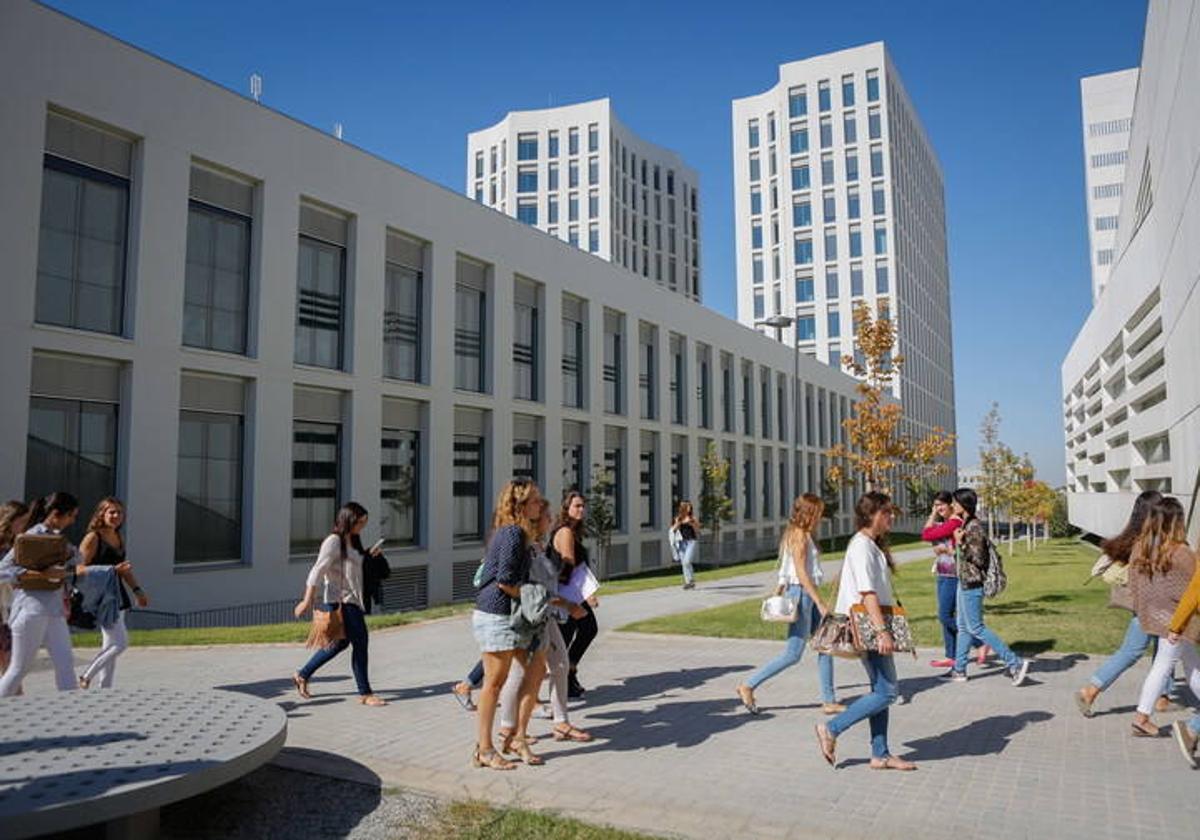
(1131, 396)
(1107, 101)
(579, 174)
(838, 199)
(234, 340)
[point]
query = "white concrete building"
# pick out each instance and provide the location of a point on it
(234, 340)
(1131, 395)
(579, 174)
(838, 199)
(1107, 101)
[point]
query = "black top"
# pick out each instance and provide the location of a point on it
(687, 532)
(507, 561)
(107, 555)
(581, 555)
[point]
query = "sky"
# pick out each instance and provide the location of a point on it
(996, 86)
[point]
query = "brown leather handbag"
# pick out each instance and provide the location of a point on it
(38, 552)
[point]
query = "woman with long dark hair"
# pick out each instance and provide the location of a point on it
(103, 545)
(580, 628)
(339, 572)
(37, 611)
(799, 576)
(974, 557)
(1117, 552)
(685, 533)
(866, 579)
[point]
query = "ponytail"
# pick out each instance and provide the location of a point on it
(57, 502)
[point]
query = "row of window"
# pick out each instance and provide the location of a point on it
(527, 147)
(1109, 159)
(1107, 190)
(798, 96)
(1103, 129)
(801, 174)
(798, 132)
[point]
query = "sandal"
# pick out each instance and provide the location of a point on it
(84, 682)
(491, 760)
(372, 700)
(572, 733)
(1084, 705)
(746, 695)
(464, 697)
(301, 686)
(527, 755)
(827, 743)
(1145, 729)
(834, 708)
(892, 763)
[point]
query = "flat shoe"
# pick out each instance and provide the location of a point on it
(464, 700)
(1085, 708)
(892, 763)
(301, 686)
(1147, 730)
(833, 708)
(828, 745)
(747, 698)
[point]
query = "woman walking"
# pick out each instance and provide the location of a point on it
(104, 546)
(867, 580)
(580, 628)
(37, 609)
(685, 538)
(974, 557)
(14, 518)
(799, 576)
(338, 572)
(1187, 733)
(939, 531)
(516, 528)
(1160, 570)
(1117, 554)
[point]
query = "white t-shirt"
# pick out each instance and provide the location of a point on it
(787, 565)
(864, 570)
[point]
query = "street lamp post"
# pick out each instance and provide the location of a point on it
(782, 322)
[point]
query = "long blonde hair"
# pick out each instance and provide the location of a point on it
(10, 512)
(97, 520)
(1163, 532)
(517, 505)
(686, 511)
(806, 516)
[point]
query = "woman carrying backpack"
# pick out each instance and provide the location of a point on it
(975, 556)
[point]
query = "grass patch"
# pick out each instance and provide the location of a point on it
(671, 576)
(473, 819)
(1046, 607)
(257, 634)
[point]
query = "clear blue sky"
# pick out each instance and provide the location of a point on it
(996, 85)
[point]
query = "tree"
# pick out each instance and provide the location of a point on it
(876, 449)
(1033, 502)
(1060, 522)
(920, 491)
(991, 466)
(601, 518)
(715, 505)
(831, 495)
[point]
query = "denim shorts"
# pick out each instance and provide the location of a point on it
(494, 633)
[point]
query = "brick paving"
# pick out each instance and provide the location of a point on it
(677, 755)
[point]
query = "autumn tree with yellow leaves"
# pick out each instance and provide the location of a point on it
(876, 451)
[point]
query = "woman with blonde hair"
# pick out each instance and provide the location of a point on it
(1161, 566)
(517, 527)
(685, 541)
(103, 545)
(800, 581)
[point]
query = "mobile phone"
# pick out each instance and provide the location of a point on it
(378, 545)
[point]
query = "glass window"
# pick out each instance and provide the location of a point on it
(831, 244)
(468, 488)
(876, 161)
(833, 323)
(525, 348)
(831, 283)
(573, 208)
(874, 127)
(753, 134)
(552, 211)
(804, 288)
(756, 237)
(593, 205)
(552, 144)
(647, 378)
(676, 382)
(572, 362)
(824, 101)
(755, 202)
(573, 174)
(748, 484)
(594, 239)
(755, 168)
(851, 165)
(827, 170)
(760, 306)
(614, 463)
(835, 355)
(797, 102)
(872, 85)
(849, 129)
(802, 214)
(403, 289)
(208, 500)
(878, 204)
(647, 492)
(799, 140)
(573, 473)
(806, 327)
(479, 164)
(573, 233)
(826, 132)
(803, 251)
(880, 238)
(573, 141)
(757, 264)
(469, 314)
(527, 147)
(593, 138)
(320, 290)
(525, 459)
(527, 180)
(881, 278)
(71, 444)
(400, 486)
(800, 177)
(828, 207)
(853, 204)
(216, 279)
(856, 280)
(527, 212)
(613, 366)
(747, 401)
(316, 451)
(81, 247)
(855, 241)
(770, 128)
(847, 91)
(593, 171)
(552, 176)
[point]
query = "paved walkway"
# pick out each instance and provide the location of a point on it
(677, 755)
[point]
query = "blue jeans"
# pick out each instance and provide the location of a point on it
(356, 635)
(1194, 725)
(881, 672)
(947, 600)
(799, 632)
(970, 623)
(1127, 655)
(687, 558)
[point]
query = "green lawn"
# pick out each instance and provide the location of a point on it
(1046, 607)
(473, 819)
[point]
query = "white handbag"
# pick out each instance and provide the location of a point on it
(779, 608)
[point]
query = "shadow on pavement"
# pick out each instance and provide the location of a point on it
(647, 685)
(677, 724)
(272, 688)
(1056, 665)
(987, 736)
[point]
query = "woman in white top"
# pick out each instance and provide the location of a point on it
(800, 581)
(339, 572)
(867, 580)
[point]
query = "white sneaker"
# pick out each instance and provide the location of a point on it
(1186, 741)
(1020, 672)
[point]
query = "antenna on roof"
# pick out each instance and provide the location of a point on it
(256, 86)
(337, 130)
